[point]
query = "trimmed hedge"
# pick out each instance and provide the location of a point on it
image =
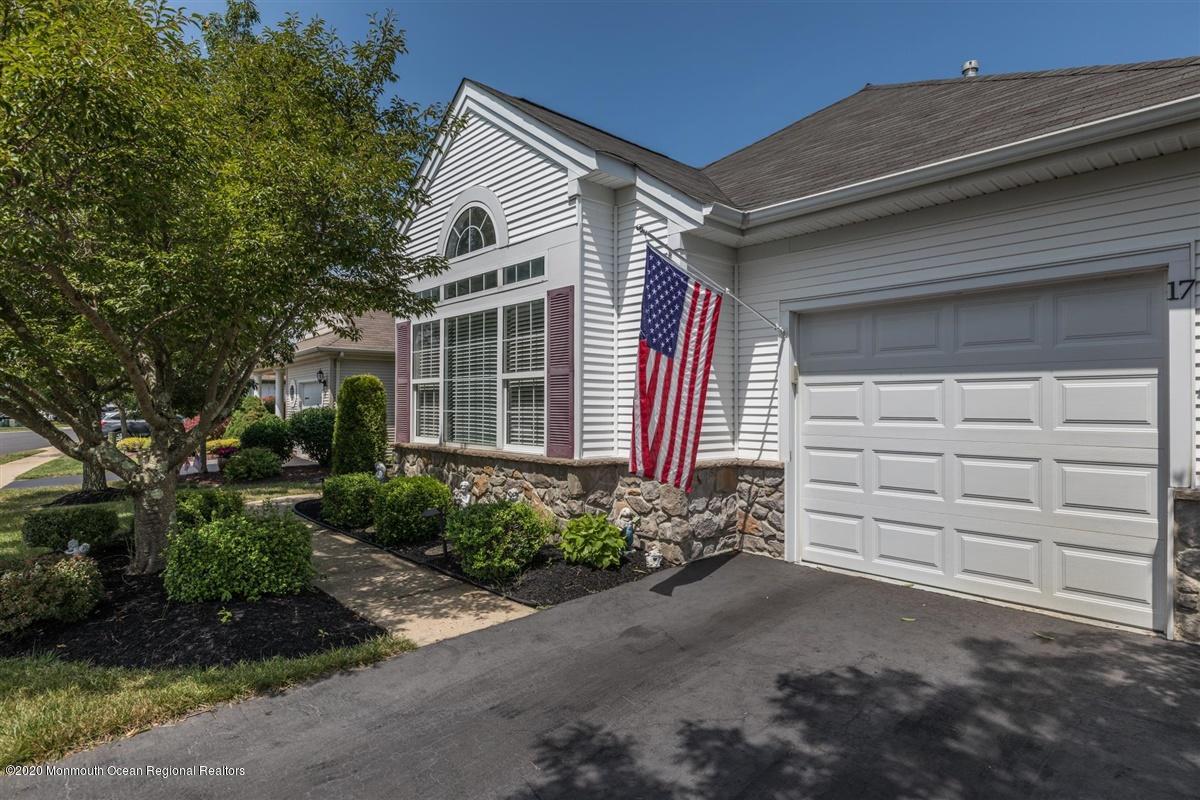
(48, 588)
(360, 430)
(593, 540)
(496, 541)
(270, 432)
(348, 501)
(226, 443)
(133, 444)
(252, 464)
(241, 556)
(197, 506)
(54, 527)
(401, 503)
(249, 411)
(312, 432)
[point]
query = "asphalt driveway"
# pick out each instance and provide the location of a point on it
(733, 677)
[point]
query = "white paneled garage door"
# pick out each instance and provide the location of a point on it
(1002, 444)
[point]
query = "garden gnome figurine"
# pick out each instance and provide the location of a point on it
(629, 521)
(462, 495)
(380, 471)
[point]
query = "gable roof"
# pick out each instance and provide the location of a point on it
(689, 180)
(378, 331)
(890, 128)
(895, 127)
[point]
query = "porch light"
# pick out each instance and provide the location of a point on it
(321, 378)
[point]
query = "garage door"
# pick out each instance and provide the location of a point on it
(1006, 445)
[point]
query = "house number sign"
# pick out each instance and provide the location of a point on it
(1179, 290)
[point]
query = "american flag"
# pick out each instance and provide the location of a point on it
(679, 327)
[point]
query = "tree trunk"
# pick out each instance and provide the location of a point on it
(202, 467)
(94, 478)
(153, 510)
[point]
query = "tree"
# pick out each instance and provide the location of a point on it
(171, 216)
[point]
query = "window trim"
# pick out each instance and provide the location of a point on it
(481, 196)
(415, 382)
(466, 212)
(502, 378)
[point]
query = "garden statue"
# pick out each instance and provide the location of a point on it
(380, 471)
(515, 494)
(629, 521)
(74, 548)
(654, 557)
(462, 495)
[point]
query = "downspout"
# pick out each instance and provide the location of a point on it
(616, 327)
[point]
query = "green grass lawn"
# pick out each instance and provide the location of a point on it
(50, 707)
(55, 468)
(8, 458)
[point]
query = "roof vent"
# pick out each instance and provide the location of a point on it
(970, 68)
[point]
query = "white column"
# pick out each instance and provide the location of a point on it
(280, 400)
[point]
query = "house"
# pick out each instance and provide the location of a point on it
(985, 383)
(323, 360)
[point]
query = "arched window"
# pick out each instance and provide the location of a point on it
(473, 230)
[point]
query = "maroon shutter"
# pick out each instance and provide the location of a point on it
(403, 381)
(560, 372)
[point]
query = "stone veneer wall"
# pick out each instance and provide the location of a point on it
(1187, 564)
(733, 504)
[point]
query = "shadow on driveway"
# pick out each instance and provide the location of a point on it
(1090, 715)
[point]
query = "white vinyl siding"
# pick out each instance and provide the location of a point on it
(1144, 206)
(531, 188)
(612, 315)
(599, 298)
(471, 355)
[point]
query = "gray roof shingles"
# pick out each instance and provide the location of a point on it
(890, 128)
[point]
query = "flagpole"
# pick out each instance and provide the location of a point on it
(700, 276)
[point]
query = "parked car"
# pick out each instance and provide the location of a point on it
(110, 423)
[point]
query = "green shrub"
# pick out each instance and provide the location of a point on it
(348, 501)
(249, 411)
(54, 527)
(593, 540)
(401, 503)
(251, 464)
(197, 506)
(269, 432)
(312, 431)
(245, 556)
(133, 444)
(360, 429)
(48, 588)
(496, 541)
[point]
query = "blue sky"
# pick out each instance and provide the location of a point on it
(699, 80)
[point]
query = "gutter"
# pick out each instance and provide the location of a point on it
(1157, 116)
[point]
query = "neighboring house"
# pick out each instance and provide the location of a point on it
(985, 385)
(325, 359)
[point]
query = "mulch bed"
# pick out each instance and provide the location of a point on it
(549, 580)
(137, 626)
(85, 497)
(306, 474)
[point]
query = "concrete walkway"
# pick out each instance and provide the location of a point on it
(408, 600)
(14, 469)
